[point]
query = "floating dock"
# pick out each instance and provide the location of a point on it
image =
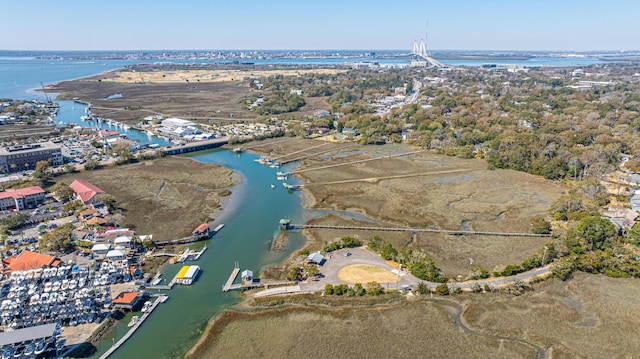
(232, 277)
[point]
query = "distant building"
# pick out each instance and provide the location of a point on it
(22, 198)
(85, 191)
(23, 157)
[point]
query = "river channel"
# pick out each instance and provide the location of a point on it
(251, 216)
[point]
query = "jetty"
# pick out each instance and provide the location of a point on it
(132, 330)
(286, 225)
(232, 277)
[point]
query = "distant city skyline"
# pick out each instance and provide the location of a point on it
(545, 25)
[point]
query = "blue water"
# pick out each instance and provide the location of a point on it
(19, 76)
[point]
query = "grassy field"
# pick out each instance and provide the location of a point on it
(166, 197)
(407, 330)
(365, 273)
(590, 316)
(565, 319)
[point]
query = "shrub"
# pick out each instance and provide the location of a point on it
(442, 289)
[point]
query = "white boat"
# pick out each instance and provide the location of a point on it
(273, 186)
(163, 298)
(146, 306)
(156, 281)
(40, 346)
(29, 347)
(134, 320)
(238, 149)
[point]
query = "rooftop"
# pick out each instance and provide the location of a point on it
(19, 193)
(85, 190)
(27, 260)
(26, 334)
(126, 298)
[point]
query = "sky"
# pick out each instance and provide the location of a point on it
(555, 25)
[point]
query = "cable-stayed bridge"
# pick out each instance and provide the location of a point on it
(423, 59)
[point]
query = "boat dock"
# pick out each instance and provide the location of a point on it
(161, 287)
(132, 330)
(232, 277)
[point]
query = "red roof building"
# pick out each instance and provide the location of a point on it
(27, 260)
(84, 190)
(126, 300)
(22, 198)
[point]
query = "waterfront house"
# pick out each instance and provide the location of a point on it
(202, 231)
(126, 300)
(27, 260)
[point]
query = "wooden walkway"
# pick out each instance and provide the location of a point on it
(354, 162)
(232, 278)
(317, 154)
(418, 230)
(132, 330)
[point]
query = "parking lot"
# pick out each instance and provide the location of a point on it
(337, 260)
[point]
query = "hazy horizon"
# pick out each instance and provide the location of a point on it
(456, 25)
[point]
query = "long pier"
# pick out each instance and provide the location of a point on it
(317, 153)
(354, 162)
(232, 277)
(133, 329)
(416, 230)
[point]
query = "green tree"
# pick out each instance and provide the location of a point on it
(442, 289)
(328, 289)
(108, 200)
(359, 289)
(595, 232)
(422, 288)
(58, 240)
(63, 192)
(295, 274)
(311, 271)
(42, 170)
(340, 289)
(539, 225)
(350, 242)
(374, 288)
